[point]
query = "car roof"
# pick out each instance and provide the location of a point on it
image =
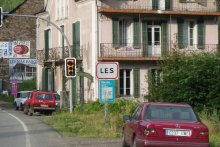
(42, 91)
(23, 91)
(166, 104)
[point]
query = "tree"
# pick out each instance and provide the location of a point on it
(188, 79)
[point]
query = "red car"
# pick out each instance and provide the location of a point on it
(40, 101)
(164, 125)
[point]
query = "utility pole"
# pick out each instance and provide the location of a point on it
(67, 41)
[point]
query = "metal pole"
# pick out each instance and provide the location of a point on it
(67, 41)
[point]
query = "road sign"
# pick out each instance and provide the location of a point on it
(70, 67)
(1, 16)
(107, 70)
(107, 91)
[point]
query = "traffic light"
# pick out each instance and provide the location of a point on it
(1, 16)
(70, 67)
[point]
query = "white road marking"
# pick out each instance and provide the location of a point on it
(28, 143)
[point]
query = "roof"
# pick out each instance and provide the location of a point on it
(166, 104)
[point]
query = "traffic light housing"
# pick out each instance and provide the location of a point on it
(70, 67)
(1, 16)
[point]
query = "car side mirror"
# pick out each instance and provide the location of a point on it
(126, 118)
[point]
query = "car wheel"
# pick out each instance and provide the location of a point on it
(30, 111)
(25, 110)
(134, 142)
(16, 106)
(124, 144)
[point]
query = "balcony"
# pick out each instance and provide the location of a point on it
(140, 52)
(186, 7)
(57, 54)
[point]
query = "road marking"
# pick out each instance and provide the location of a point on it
(28, 143)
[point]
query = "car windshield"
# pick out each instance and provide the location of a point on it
(170, 113)
(23, 95)
(44, 96)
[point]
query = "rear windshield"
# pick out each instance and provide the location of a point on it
(170, 113)
(23, 95)
(44, 96)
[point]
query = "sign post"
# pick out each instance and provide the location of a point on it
(1, 16)
(107, 73)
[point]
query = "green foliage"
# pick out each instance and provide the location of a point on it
(27, 85)
(92, 114)
(189, 79)
(9, 5)
(6, 98)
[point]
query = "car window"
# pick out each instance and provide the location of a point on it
(137, 113)
(170, 113)
(24, 95)
(43, 96)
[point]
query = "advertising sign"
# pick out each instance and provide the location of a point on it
(15, 49)
(107, 91)
(22, 69)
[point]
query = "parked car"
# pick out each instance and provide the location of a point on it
(164, 125)
(40, 101)
(19, 100)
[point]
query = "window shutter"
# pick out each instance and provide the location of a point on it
(201, 33)
(43, 78)
(144, 37)
(180, 33)
(52, 80)
(115, 25)
(136, 33)
(117, 89)
(76, 39)
(155, 4)
(168, 4)
(136, 83)
(46, 43)
(62, 28)
(164, 41)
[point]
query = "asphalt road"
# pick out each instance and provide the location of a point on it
(20, 130)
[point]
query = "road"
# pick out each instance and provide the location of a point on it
(20, 130)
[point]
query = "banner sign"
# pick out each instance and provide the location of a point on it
(15, 49)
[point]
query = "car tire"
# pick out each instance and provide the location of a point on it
(124, 144)
(30, 111)
(134, 144)
(16, 106)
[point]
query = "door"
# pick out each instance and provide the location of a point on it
(154, 41)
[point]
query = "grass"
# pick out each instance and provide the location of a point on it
(9, 99)
(92, 124)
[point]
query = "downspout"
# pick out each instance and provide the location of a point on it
(170, 36)
(98, 47)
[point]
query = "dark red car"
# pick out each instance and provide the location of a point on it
(40, 101)
(164, 125)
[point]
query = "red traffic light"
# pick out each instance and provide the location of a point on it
(70, 67)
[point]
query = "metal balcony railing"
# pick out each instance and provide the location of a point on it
(172, 5)
(110, 50)
(58, 53)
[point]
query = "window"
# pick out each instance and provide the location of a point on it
(191, 32)
(62, 7)
(125, 82)
(44, 96)
(61, 38)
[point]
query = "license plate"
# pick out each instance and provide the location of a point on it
(44, 105)
(175, 132)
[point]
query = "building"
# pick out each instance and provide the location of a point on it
(18, 33)
(135, 33)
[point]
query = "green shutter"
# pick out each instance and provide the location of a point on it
(155, 4)
(115, 29)
(46, 43)
(182, 1)
(164, 41)
(201, 33)
(136, 33)
(62, 28)
(76, 39)
(52, 80)
(46, 79)
(181, 33)
(43, 78)
(144, 37)
(117, 89)
(168, 4)
(136, 82)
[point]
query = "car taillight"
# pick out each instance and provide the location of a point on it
(204, 134)
(150, 132)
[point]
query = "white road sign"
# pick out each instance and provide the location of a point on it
(107, 70)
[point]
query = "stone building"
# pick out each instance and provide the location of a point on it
(16, 28)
